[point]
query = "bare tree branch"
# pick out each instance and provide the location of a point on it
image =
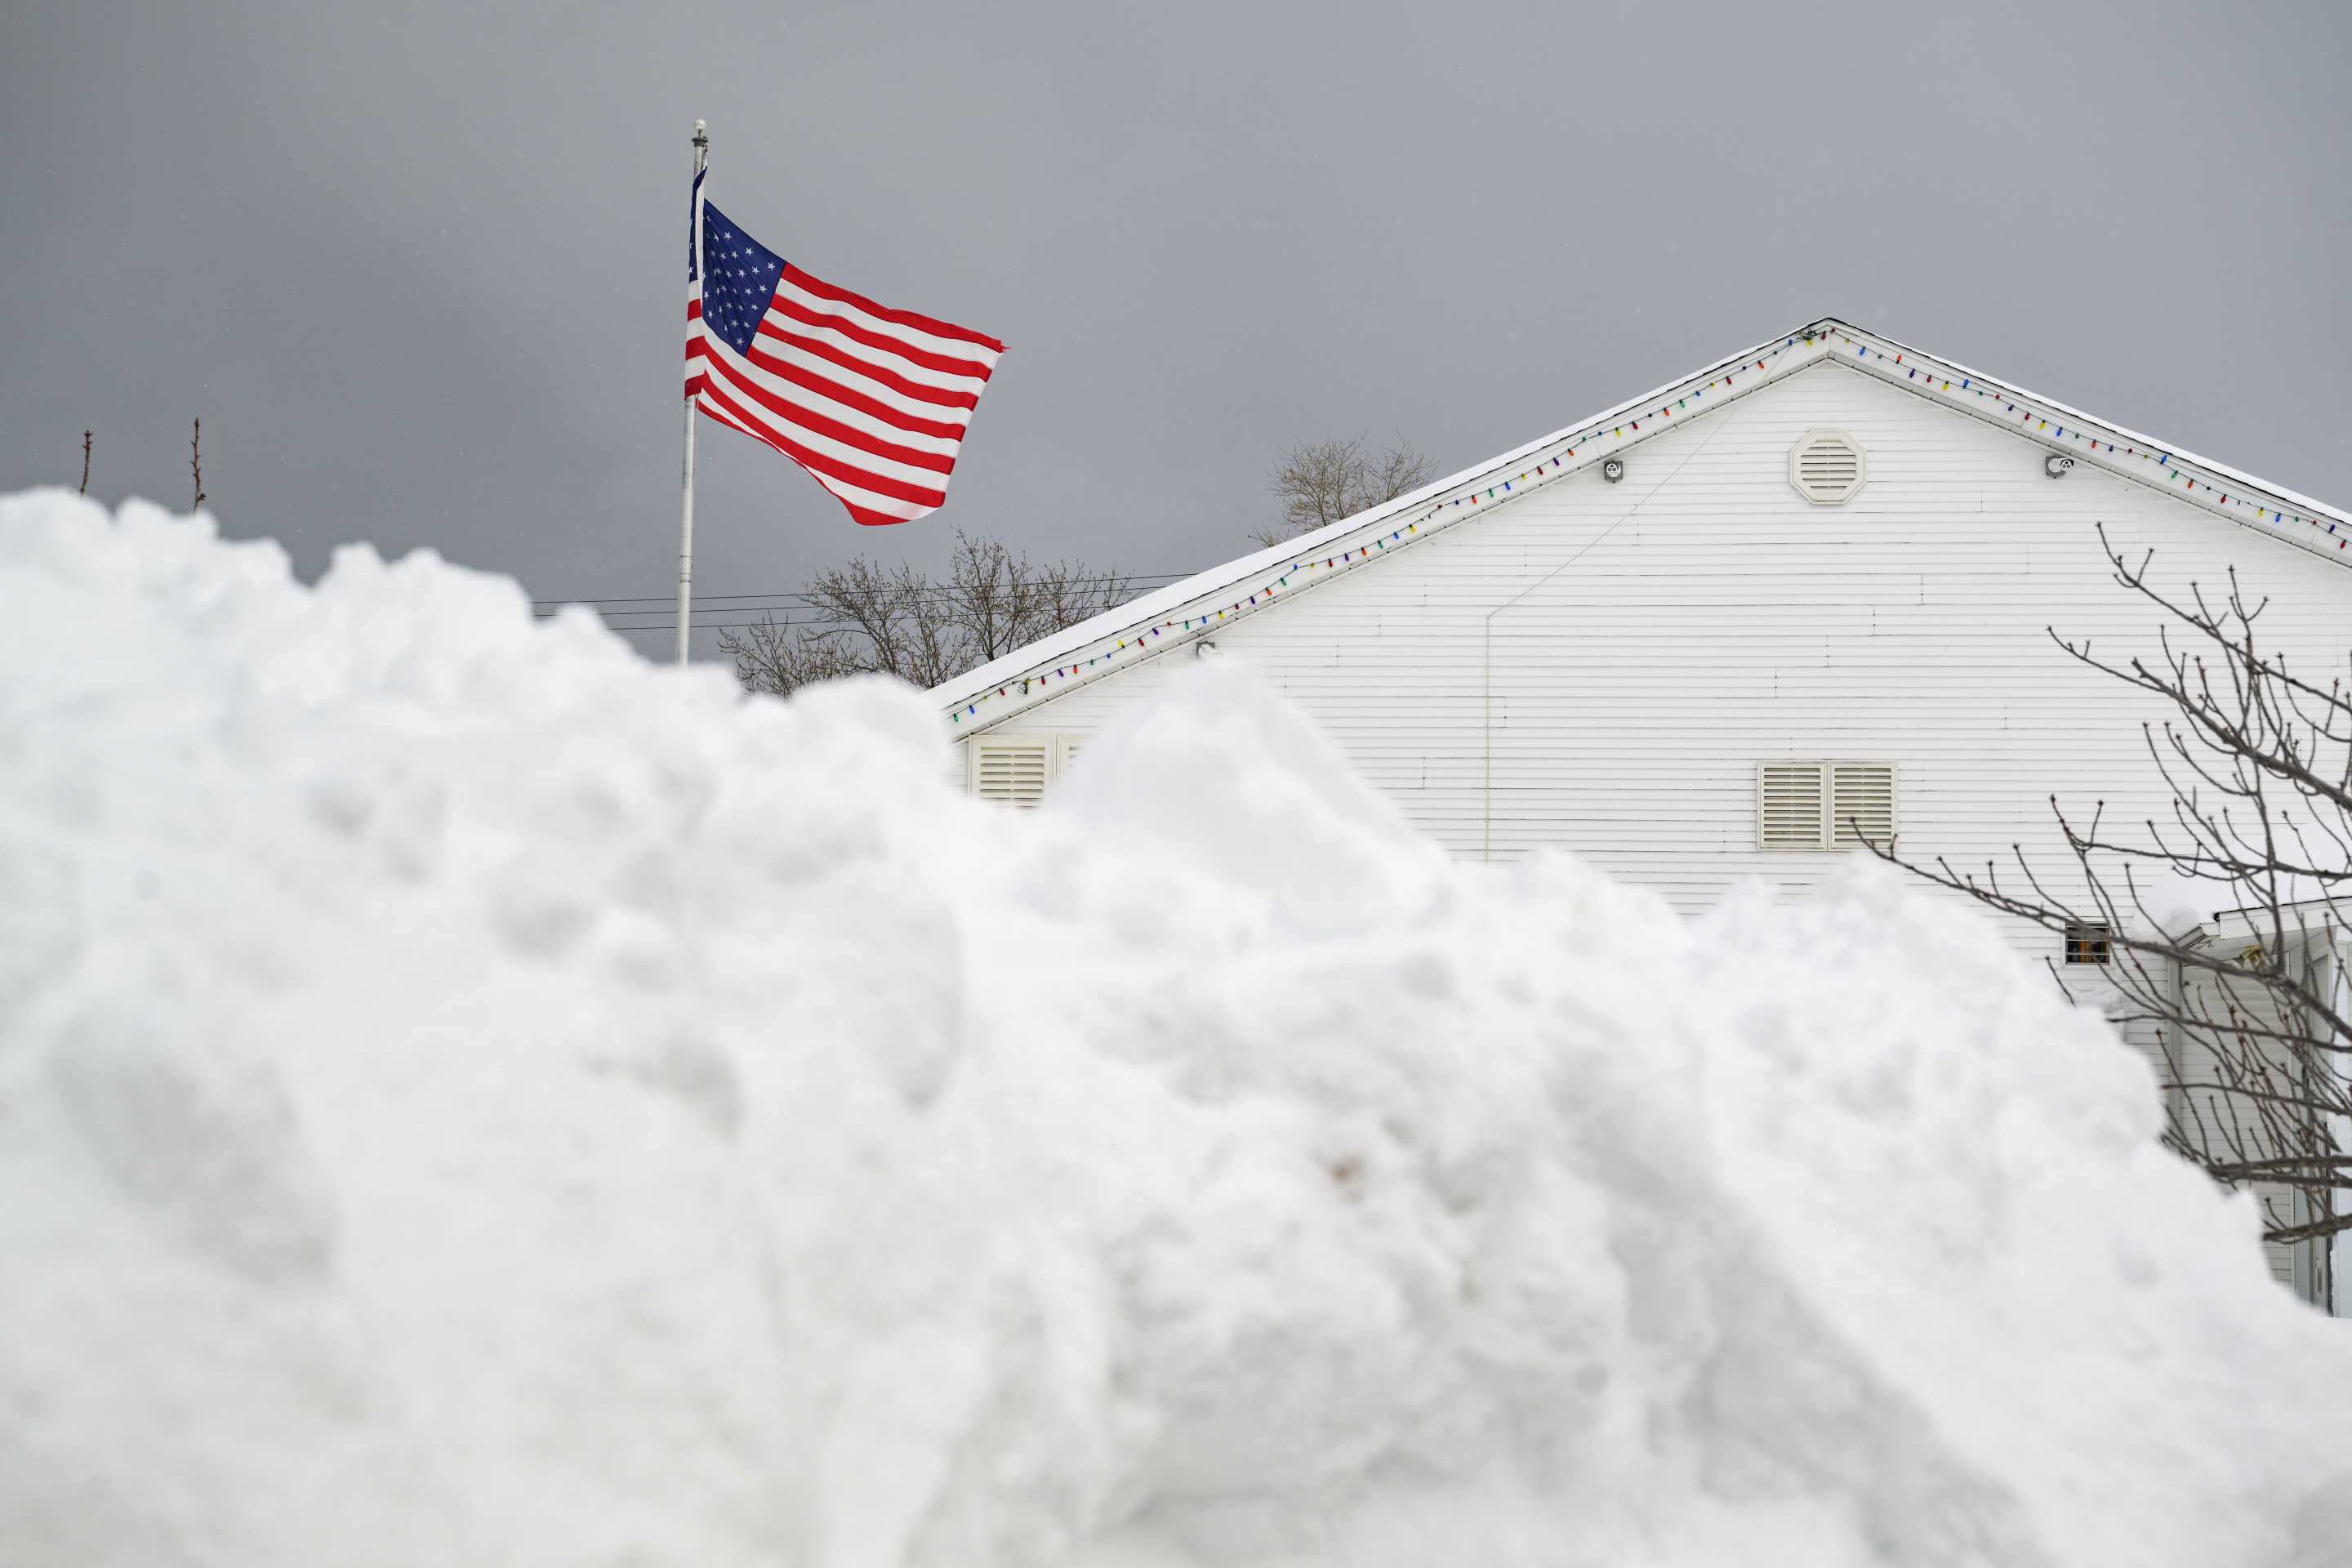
(864, 616)
(1320, 482)
(2244, 1001)
(782, 658)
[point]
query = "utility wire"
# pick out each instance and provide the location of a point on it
(616, 613)
(628, 618)
(625, 620)
(698, 625)
(1143, 580)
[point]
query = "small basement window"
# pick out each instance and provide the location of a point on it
(2087, 943)
(1824, 805)
(1828, 467)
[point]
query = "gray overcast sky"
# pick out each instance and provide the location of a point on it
(420, 268)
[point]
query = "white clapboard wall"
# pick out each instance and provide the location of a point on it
(2222, 1122)
(1606, 667)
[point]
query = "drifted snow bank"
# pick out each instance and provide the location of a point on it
(467, 1096)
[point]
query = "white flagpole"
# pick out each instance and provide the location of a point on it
(686, 505)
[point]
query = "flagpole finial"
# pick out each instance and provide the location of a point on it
(701, 134)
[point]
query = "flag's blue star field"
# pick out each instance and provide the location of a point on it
(739, 280)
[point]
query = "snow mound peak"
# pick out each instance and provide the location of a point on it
(469, 1095)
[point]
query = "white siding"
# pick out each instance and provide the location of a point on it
(2227, 1125)
(1600, 668)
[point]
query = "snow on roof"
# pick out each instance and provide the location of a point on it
(1189, 609)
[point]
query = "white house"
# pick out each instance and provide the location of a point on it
(1689, 638)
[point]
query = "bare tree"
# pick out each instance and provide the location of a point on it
(85, 464)
(864, 616)
(885, 614)
(2246, 1005)
(1000, 602)
(783, 656)
(196, 463)
(1320, 482)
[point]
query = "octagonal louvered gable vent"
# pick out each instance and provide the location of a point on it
(1828, 467)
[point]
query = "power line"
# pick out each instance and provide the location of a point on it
(615, 615)
(627, 618)
(630, 618)
(698, 625)
(1142, 580)
(785, 605)
(635, 627)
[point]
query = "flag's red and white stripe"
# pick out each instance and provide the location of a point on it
(872, 402)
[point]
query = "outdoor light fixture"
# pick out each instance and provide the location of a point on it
(2057, 465)
(1205, 650)
(1613, 469)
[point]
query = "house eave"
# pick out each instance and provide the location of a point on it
(1225, 594)
(2256, 504)
(1199, 606)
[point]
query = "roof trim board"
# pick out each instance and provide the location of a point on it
(1151, 626)
(1186, 611)
(2242, 498)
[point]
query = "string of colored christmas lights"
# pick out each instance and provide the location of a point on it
(1527, 480)
(1535, 477)
(2045, 421)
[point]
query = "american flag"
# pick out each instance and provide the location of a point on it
(872, 402)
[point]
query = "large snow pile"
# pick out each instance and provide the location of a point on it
(467, 1096)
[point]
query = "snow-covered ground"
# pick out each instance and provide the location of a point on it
(468, 1096)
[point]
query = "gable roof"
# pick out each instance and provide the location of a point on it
(1187, 610)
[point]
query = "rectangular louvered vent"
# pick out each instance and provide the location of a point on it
(1862, 804)
(1011, 769)
(1823, 805)
(1789, 806)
